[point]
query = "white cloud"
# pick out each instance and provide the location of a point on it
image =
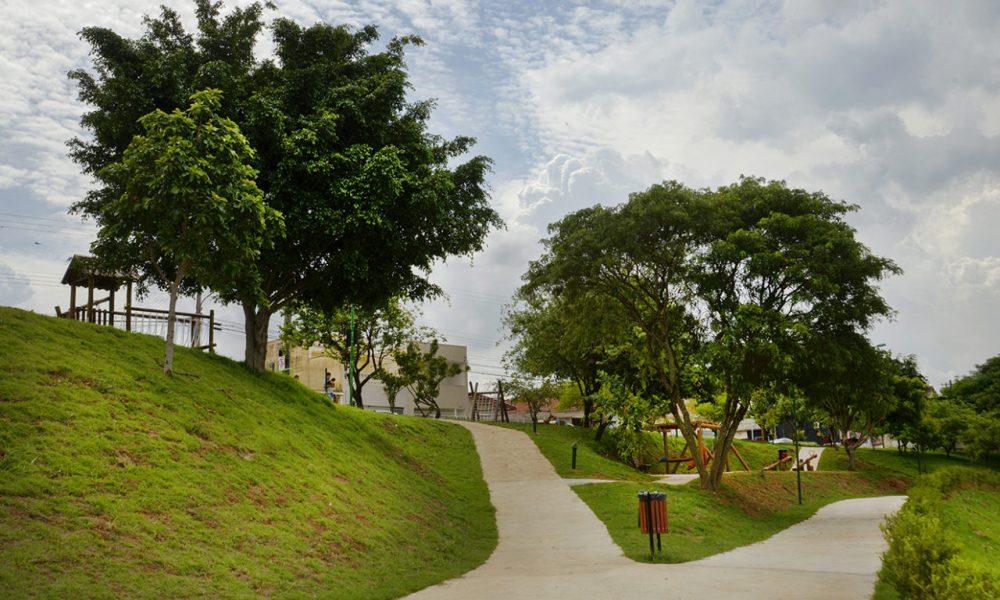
(895, 106)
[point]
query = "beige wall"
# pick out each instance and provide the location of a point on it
(309, 365)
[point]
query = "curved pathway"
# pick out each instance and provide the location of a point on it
(552, 546)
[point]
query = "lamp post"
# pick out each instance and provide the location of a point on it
(350, 367)
(798, 466)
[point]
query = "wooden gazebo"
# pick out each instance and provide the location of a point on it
(671, 464)
(83, 272)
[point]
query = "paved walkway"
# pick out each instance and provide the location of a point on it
(552, 546)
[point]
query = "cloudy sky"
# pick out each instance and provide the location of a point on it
(894, 106)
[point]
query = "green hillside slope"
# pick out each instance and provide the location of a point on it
(117, 481)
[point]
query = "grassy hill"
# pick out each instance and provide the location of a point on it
(118, 481)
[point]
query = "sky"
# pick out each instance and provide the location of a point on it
(893, 106)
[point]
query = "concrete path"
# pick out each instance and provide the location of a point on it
(552, 546)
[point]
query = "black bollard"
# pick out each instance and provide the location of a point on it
(574, 455)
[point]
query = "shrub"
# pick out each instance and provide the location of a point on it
(923, 560)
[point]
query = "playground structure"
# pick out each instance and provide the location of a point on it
(804, 464)
(488, 405)
(670, 465)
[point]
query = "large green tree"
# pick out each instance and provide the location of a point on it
(188, 208)
(563, 337)
(718, 288)
(852, 382)
(371, 199)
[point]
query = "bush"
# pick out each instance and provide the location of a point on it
(918, 547)
(923, 561)
(959, 579)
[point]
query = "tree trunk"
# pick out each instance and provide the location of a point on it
(601, 427)
(357, 388)
(588, 407)
(255, 325)
(168, 360)
(437, 411)
(723, 442)
(852, 459)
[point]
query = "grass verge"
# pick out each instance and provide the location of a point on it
(117, 481)
(748, 508)
(597, 460)
(943, 542)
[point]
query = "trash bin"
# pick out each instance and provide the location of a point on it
(653, 516)
(782, 454)
(653, 505)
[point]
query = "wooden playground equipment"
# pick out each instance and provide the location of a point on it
(784, 458)
(670, 465)
(488, 405)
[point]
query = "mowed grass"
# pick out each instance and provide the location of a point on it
(749, 507)
(118, 481)
(971, 514)
(596, 460)
(890, 460)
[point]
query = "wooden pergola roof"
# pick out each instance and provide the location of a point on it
(82, 270)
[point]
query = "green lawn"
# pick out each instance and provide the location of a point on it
(117, 481)
(889, 459)
(971, 514)
(748, 508)
(596, 460)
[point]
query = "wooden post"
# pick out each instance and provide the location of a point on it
(475, 400)
(503, 404)
(666, 452)
(211, 331)
(111, 307)
(128, 306)
(72, 301)
(90, 299)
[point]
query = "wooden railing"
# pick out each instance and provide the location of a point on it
(148, 320)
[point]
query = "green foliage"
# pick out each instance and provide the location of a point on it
(552, 340)
(422, 373)
(188, 208)
(979, 392)
(856, 385)
(630, 412)
(534, 395)
(714, 291)
(371, 198)
(924, 560)
(979, 389)
(116, 481)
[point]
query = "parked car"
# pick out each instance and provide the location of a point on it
(782, 441)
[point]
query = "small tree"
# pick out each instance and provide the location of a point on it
(380, 332)
(392, 383)
(423, 373)
(534, 396)
(190, 211)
